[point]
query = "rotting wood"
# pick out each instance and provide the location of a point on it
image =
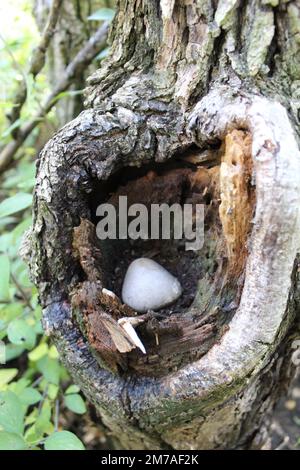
(237, 197)
(178, 335)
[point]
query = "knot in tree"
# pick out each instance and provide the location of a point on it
(196, 104)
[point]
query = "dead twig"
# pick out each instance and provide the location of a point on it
(56, 415)
(286, 441)
(37, 62)
(84, 57)
(22, 292)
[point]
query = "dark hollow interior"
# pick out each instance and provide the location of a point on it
(184, 331)
(187, 265)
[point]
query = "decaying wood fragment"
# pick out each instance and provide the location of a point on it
(100, 314)
(237, 197)
(86, 249)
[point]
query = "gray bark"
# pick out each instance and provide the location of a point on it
(181, 77)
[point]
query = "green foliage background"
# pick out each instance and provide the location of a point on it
(34, 386)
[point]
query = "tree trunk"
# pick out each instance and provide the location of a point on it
(72, 32)
(211, 87)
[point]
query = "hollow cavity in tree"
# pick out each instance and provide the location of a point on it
(187, 328)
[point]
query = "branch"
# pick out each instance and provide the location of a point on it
(84, 57)
(22, 292)
(37, 61)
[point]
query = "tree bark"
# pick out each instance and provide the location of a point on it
(184, 79)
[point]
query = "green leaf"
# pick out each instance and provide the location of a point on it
(38, 328)
(65, 94)
(21, 177)
(20, 229)
(11, 441)
(52, 391)
(43, 422)
(32, 435)
(72, 389)
(75, 403)
(50, 369)
(37, 353)
(5, 274)
(6, 375)
(41, 425)
(53, 353)
(19, 386)
(31, 417)
(10, 311)
(11, 128)
(16, 203)
(7, 221)
(30, 396)
(13, 351)
(63, 440)
(5, 242)
(103, 14)
(20, 333)
(11, 413)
